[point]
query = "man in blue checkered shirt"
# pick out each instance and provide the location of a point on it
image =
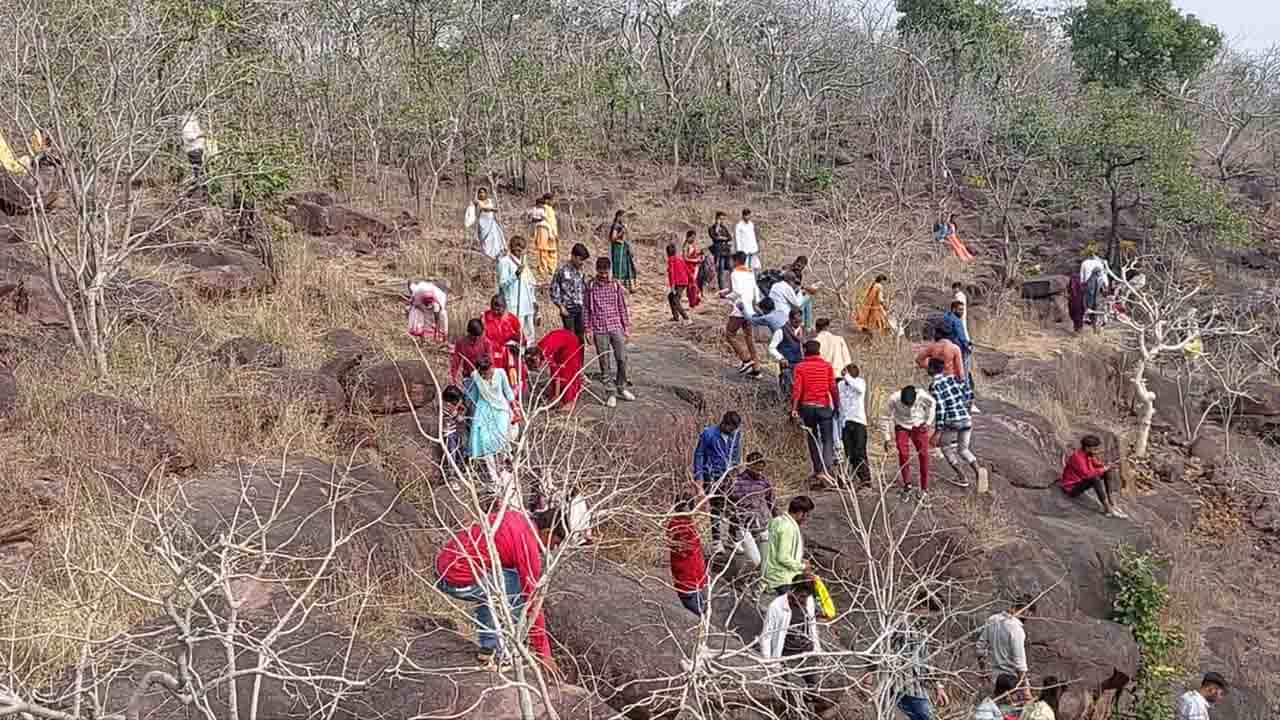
(954, 421)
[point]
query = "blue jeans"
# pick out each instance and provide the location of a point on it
(476, 593)
(695, 602)
(806, 311)
(915, 708)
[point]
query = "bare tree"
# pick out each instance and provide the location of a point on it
(1239, 96)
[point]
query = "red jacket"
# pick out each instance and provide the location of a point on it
(813, 383)
(1080, 467)
(677, 272)
(688, 567)
(516, 541)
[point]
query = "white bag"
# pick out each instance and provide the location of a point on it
(470, 218)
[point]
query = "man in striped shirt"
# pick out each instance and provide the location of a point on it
(604, 310)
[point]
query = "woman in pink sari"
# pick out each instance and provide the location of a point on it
(957, 246)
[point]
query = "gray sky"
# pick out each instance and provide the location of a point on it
(1251, 24)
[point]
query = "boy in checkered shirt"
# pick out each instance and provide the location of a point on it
(954, 420)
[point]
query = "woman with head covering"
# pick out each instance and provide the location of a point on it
(493, 242)
(872, 316)
(492, 398)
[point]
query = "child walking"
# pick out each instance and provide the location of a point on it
(678, 281)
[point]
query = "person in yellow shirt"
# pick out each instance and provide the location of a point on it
(546, 239)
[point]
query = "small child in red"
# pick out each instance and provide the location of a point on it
(688, 566)
(677, 283)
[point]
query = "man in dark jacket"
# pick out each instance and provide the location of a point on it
(721, 249)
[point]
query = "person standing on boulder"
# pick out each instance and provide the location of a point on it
(718, 452)
(721, 250)
(1002, 643)
(604, 308)
(745, 295)
(954, 424)
(909, 415)
(567, 288)
(792, 597)
(955, 330)
(745, 241)
(1194, 704)
(505, 336)
(940, 348)
(678, 282)
(958, 295)
(852, 389)
(813, 401)
(782, 558)
(787, 347)
(751, 508)
(1085, 470)
(693, 258)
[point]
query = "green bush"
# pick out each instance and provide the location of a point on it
(1139, 601)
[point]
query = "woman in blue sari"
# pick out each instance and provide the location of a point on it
(493, 242)
(491, 395)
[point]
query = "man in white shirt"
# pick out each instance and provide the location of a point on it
(788, 292)
(908, 420)
(744, 240)
(193, 143)
(1002, 643)
(852, 388)
(778, 616)
(1194, 704)
(744, 294)
(1092, 264)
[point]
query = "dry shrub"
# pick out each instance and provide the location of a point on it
(988, 519)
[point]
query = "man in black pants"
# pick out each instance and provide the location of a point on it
(567, 288)
(721, 250)
(1086, 471)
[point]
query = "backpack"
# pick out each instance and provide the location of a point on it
(766, 280)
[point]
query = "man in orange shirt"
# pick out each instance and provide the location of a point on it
(813, 402)
(942, 349)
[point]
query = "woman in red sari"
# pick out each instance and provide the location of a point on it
(502, 330)
(693, 258)
(561, 351)
(467, 350)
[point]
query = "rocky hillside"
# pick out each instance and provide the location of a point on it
(254, 480)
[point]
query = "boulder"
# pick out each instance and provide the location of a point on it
(315, 219)
(228, 274)
(1017, 445)
(8, 393)
(1044, 286)
(932, 299)
(1093, 653)
(317, 390)
(430, 674)
(20, 193)
(304, 500)
(407, 454)
(991, 363)
(1052, 310)
(1265, 516)
(247, 351)
(689, 186)
(391, 387)
(631, 637)
(317, 197)
(24, 289)
(111, 417)
(1250, 666)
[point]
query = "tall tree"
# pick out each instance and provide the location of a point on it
(1124, 43)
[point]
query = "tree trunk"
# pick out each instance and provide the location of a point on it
(1147, 409)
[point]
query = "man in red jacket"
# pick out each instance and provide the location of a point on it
(466, 571)
(688, 565)
(1085, 470)
(813, 402)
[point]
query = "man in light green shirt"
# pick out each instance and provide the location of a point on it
(782, 557)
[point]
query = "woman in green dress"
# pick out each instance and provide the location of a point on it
(623, 261)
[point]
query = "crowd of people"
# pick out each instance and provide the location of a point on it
(824, 390)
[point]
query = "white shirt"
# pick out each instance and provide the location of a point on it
(1092, 263)
(192, 135)
(777, 621)
(742, 283)
(744, 235)
(853, 397)
(898, 415)
(783, 295)
(1192, 706)
(428, 289)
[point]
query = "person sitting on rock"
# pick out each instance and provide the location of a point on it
(718, 452)
(1194, 704)
(751, 508)
(688, 564)
(999, 705)
(1002, 643)
(1085, 470)
(466, 570)
(954, 423)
